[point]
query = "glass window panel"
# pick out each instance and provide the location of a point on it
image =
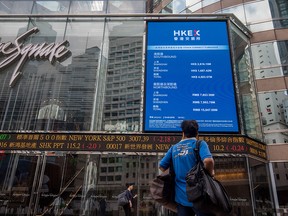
(110, 178)
(178, 6)
(194, 7)
(167, 9)
(61, 96)
(78, 179)
(263, 26)
(273, 107)
(254, 11)
(256, 19)
(238, 11)
(103, 179)
(10, 30)
(279, 8)
(269, 72)
(283, 52)
(16, 7)
(50, 7)
(266, 55)
(281, 169)
(122, 79)
(208, 2)
(235, 170)
(34, 73)
(88, 7)
(127, 6)
(281, 23)
(243, 69)
(261, 190)
(118, 178)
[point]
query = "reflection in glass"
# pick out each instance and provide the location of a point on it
(167, 9)
(280, 23)
(244, 73)
(263, 202)
(254, 11)
(238, 11)
(262, 26)
(82, 183)
(268, 57)
(124, 75)
(273, 108)
(232, 173)
(15, 7)
(193, 7)
(208, 2)
(60, 96)
(78, 7)
(256, 19)
(127, 6)
(279, 13)
(280, 170)
(283, 52)
(50, 7)
(17, 177)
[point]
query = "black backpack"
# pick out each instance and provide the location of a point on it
(122, 198)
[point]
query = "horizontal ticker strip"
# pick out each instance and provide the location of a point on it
(124, 142)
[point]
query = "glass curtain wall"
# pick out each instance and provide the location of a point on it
(72, 6)
(269, 65)
(281, 177)
(53, 97)
(34, 184)
(69, 95)
(98, 87)
(245, 84)
(263, 203)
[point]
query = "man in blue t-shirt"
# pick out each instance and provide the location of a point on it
(183, 158)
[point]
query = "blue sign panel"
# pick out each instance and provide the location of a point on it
(189, 76)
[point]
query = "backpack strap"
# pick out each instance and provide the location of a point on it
(196, 150)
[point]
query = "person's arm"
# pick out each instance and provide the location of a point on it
(209, 166)
(130, 197)
(165, 162)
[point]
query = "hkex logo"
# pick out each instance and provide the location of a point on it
(187, 33)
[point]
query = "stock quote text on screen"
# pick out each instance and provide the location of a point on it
(152, 143)
(189, 76)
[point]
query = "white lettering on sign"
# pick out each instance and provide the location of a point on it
(18, 52)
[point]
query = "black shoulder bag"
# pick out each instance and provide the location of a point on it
(162, 189)
(206, 193)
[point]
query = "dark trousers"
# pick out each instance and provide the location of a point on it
(185, 210)
(189, 211)
(127, 210)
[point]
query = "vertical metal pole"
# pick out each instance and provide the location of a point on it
(63, 172)
(250, 186)
(34, 185)
(6, 110)
(273, 188)
(43, 163)
(138, 184)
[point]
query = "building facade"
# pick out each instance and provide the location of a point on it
(267, 20)
(71, 107)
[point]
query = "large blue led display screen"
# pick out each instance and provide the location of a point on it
(189, 76)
